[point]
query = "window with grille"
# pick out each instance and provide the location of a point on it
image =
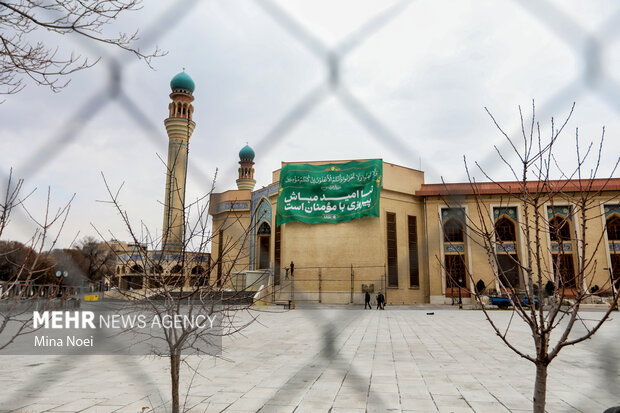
(508, 270)
(264, 229)
(414, 272)
(613, 228)
(455, 271)
(564, 265)
(615, 267)
(392, 256)
(505, 230)
(453, 230)
(559, 229)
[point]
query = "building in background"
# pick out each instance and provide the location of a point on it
(329, 231)
(414, 247)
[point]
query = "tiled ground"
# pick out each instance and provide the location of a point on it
(337, 360)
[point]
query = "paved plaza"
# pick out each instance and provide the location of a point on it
(333, 359)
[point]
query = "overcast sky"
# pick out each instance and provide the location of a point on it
(411, 84)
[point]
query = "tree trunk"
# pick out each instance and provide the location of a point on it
(175, 367)
(540, 388)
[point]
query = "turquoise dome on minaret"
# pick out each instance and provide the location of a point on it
(182, 82)
(246, 153)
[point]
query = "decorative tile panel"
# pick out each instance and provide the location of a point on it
(611, 209)
(129, 257)
(263, 212)
(506, 247)
(261, 209)
(232, 206)
(509, 211)
(452, 212)
(558, 210)
(164, 257)
(264, 192)
(566, 247)
(458, 248)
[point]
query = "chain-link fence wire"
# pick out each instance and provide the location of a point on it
(587, 46)
(335, 336)
(40, 158)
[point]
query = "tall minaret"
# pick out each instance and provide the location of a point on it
(179, 127)
(246, 170)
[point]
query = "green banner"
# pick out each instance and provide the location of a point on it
(334, 192)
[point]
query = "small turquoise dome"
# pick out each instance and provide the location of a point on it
(246, 153)
(182, 81)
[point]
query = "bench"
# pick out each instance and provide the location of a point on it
(284, 303)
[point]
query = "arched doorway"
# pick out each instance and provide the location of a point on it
(264, 242)
(134, 281)
(175, 279)
(200, 278)
(613, 236)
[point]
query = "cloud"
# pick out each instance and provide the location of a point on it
(426, 75)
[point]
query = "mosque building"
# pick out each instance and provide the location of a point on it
(329, 231)
(414, 246)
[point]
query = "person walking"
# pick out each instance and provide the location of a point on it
(367, 300)
(379, 301)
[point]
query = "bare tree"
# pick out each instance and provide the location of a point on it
(26, 268)
(179, 283)
(23, 23)
(15, 257)
(90, 263)
(98, 258)
(553, 242)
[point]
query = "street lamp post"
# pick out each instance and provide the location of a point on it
(60, 275)
(613, 289)
(459, 287)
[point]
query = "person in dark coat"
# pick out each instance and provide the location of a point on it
(367, 300)
(380, 301)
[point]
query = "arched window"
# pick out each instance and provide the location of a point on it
(198, 270)
(453, 230)
(613, 228)
(176, 269)
(613, 235)
(559, 229)
(137, 269)
(264, 229)
(505, 230)
(157, 269)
